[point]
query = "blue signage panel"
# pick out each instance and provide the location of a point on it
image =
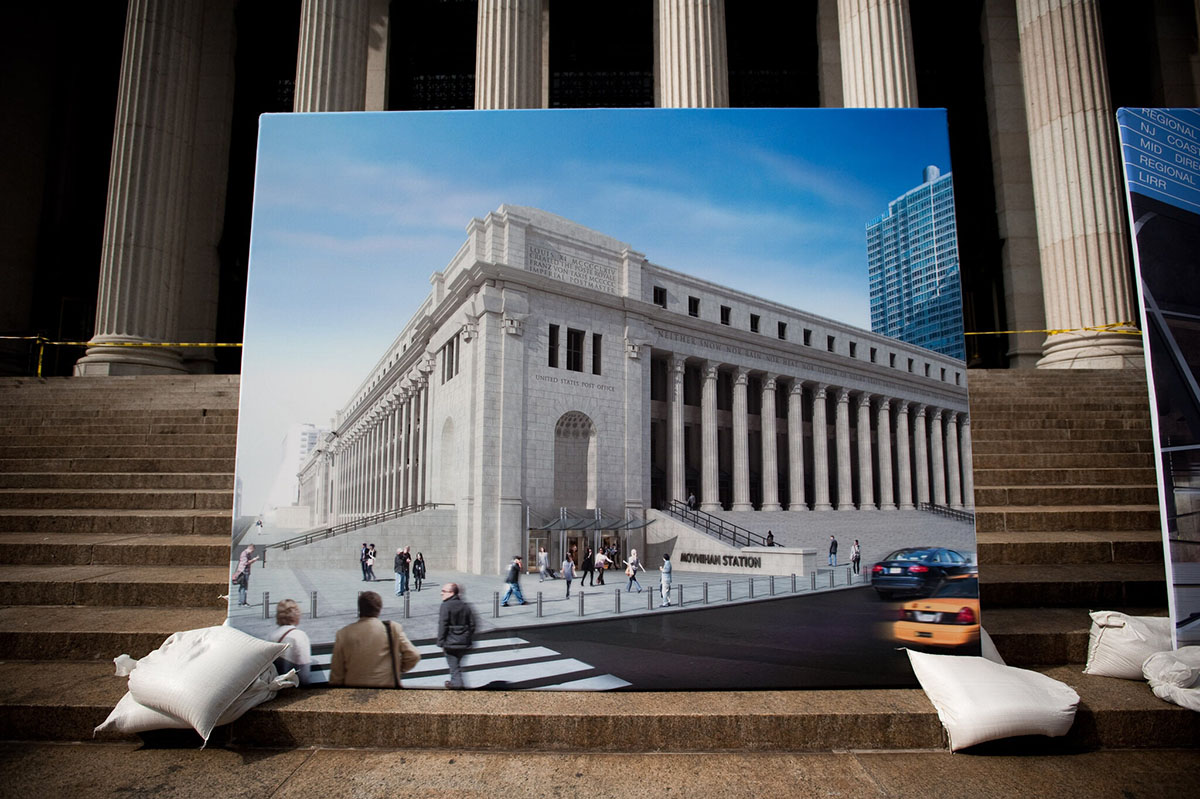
(1161, 151)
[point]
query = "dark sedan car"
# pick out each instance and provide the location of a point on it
(917, 570)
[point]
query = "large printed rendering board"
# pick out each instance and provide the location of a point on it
(550, 334)
(1161, 153)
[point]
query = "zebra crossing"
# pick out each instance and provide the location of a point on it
(502, 663)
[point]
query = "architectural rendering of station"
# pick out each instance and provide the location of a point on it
(555, 371)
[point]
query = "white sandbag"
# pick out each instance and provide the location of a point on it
(1175, 676)
(198, 674)
(988, 649)
(1119, 644)
(978, 700)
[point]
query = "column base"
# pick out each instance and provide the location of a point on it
(771, 507)
(128, 360)
(711, 507)
(888, 506)
(739, 506)
(797, 506)
(1092, 351)
(823, 506)
(907, 506)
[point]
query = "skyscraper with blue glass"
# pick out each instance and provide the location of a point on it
(912, 263)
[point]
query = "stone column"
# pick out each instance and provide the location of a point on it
(954, 494)
(421, 438)
(878, 70)
(508, 54)
(968, 465)
(884, 431)
(921, 442)
(938, 450)
(676, 467)
(693, 68)
(795, 420)
(903, 460)
(741, 454)
(842, 431)
(141, 262)
(331, 61)
(402, 451)
(710, 488)
(411, 472)
(866, 480)
(770, 458)
(820, 445)
(1077, 187)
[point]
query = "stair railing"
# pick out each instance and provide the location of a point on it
(323, 533)
(715, 526)
(942, 510)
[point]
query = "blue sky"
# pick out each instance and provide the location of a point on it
(354, 212)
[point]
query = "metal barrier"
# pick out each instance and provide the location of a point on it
(715, 526)
(942, 510)
(343, 528)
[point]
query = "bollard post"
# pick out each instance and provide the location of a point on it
(617, 601)
(681, 595)
(266, 604)
(581, 603)
(313, 605)
(831, 573)
(849, 576)
(407, 594)
(539, 604)
(706, 592)
(495, 604)
(771, 584)
(729, 590)
(793, 583)
(751, 581)
(813, 575)
(650, 599)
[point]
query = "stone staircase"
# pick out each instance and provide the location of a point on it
(114, 528)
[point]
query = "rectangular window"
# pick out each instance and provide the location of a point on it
(783, 331)
(693, 306)
(596, 353)
(660, 296)
(808, 338)
(892, 359)
(753, 323)
(943, 375)
(910, 364)
(958, 378)
(853, 350)
(725, 312)
(874, 353)
(574, 350)
(829, 342)
(927, 370)
(553, 346)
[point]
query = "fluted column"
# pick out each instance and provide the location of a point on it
(770, 458)
(423, 422)
(331, 61)
(921, 456)
(508, 54)
(710, 489)
(884, 432)
(1077, 186)
(141, 262)
(937, 448)
(693, 67)
(676, 467)
(878, 70)
(405, 494)
(820, 445)
(795, 420)
(968, 465)
(903, 460)
(741, 453)
(411, 476)
(842, 432)
(954, 489)
(866, 492)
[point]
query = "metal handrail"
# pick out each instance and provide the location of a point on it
(942, 510)
(346, 527)
(715, 526)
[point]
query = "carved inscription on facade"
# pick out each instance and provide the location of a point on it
(543, 260)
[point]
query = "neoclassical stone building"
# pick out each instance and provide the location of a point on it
(553, 366)
(133, 153)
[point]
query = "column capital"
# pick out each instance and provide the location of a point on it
(920, 410)
(902, 406)
(864, 400)
(741, 375)
(885, 403)
(769, 381)
(678, 363)
(820, 390)
(711, 368)
(797, 387)
(843, 396)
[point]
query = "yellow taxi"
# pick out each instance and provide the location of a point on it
(947, 618)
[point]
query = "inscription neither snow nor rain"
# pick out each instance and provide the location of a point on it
(542, 260)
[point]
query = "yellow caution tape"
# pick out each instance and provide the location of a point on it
(1124, 328)
(42, 342)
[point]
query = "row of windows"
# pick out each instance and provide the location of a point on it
(448, 355)
(574, 353)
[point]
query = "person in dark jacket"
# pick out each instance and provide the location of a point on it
(588, 568)
(418, 569)
(400, 566)
(456, 632)
(513, 579)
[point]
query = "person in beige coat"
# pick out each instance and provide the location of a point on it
(362, 657)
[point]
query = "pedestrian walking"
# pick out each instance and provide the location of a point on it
(543, 566)
(602, 564)
(418, 571)
(691, 501)
(401, 566)
(588, 567)
(568, 573)
(665, 587)
(513, 580)
(371, 563)
(832, 551)
(632, 566)
(368, 653)
(855, 555)
(456, 632)
(362, 559)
